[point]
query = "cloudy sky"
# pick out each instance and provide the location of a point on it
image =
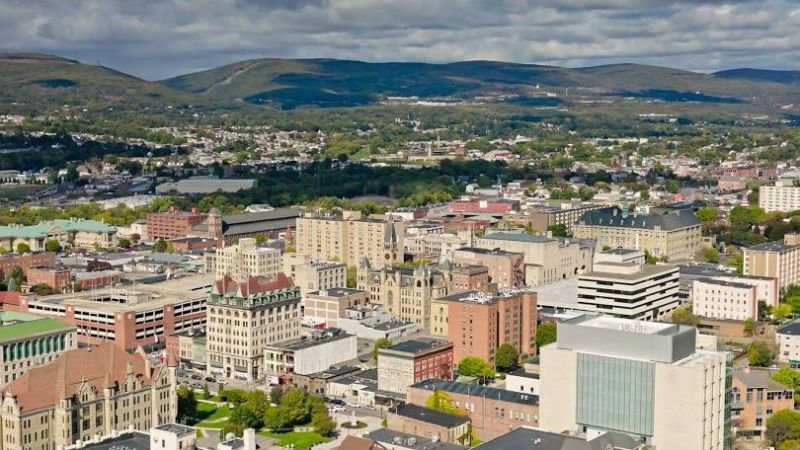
(160, 38)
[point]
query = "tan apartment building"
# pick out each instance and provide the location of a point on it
(319, 276)
(546, 259)
(783, 196)
(542, 217)
(245, 257)
(84, 393)
(506, 269)
(351, 239)
(28, 341)
(675, 235)
(326, 307)
(479, 323)
(777, 259)
(405, 293)
(724, 300)
(755, 398)
(243, 317)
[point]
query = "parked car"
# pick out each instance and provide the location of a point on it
(211, 379)
(336, 409)
(336, 401)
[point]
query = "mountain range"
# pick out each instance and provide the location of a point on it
(36, 79)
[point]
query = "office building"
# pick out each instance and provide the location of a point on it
(85, 393)
(491, 411)
(755, 398)
(386, 439)
(543, 217)
(630, 290)
(674, 236)
(351, 239)
(479, 323)
(173, 224)
(640, 378)
(78, 233)
(783, 196)
(163, 437)
(28, 341)
(245, 257)
(130, 316)
(404, 292)
(319, 276)
(324, 308)
(434, 245)
(466, 277)
(724, 300)
(310, 355)
(506, 269)
(406, 363)
(243, 317)
(777, 259)
(546, 259)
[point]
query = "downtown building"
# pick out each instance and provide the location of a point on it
(643, 379)
(246, 257)
(777, 259)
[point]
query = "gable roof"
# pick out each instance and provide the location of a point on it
(613, 217)
(529, 438)
(103, 366)
(228, 286)
(357, 443)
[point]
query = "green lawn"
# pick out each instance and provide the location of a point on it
(302, 440)
(210, 416)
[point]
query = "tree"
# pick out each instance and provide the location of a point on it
(672, 186)
(52, 246)
(782, 426)
(275, 419)
(759, 354)
(789, 378)
(187, 404)
(707, 214)
(206, 392)
(379, 344)
(72, 174)
(559, 230)
(323, 423)
(275, 395)
(749, 326)
(441, 401)
(352, 277)
(135, 238)
(711, 255)
(14, 277)
(160, 246)
(682, 315)
(261, 239)
(170, 247)
(43, 289)
(545, 334)
(124, 243)
(23, 247)
(506, 358)
(781, 311)
(791, 444)
(472, 366)
(649, 258)
(246, 416)
(235, 396)
(293, 405)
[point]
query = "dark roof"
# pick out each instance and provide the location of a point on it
(475, 390)
(369, 374)
(774, 246)
(620, 251)
(415, 346)
(521, 372)
(275, 214)
(388, 436)
(428, 415)
(613, 217)
(485, 251)
(530, 438)
(793, 329)
(754, 377)
(129, 441)
(725, 283)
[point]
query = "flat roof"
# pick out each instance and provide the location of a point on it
(22, 329)
(620, 251)
(646, 271)
(300, 344)
(631, 326)
(416, 346)
(428, 415)
(135, 440)
(485, 251)
(524, 438)
(478, 391)
(180, 430)
(336, 292)
(387, 436)
(725, 283)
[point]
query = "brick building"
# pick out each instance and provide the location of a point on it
(478, 323)
(58, 279)
(501, 206)
(406, 363)
(491, 411)
(756, 397)
(173, 224)
(506, 269)
(27, 261)
(468, 278)
(326, 307)
(427, 422)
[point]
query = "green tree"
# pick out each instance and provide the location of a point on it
(649, 258)
(124, 243)
(711, 255)
(160, 246)
(352, 277)
(736, 261)
(707, 214)
(14, 277)
(235, 396)
(246, 416)
(759, 354)
(472, 366)
(43, 289)
(789, 378)
(52, 246)
(784, 425)
(672, 186)
(682, 315)
(275, 395)
(170, 247)
(781, 311)
(559, 230)
(72, 174)
(506, 358)
(261, 239)
(23, 247)
(293, 405)
(275, 419)
(206, 392)
(791, 444)
(442, 401)
(545, 334)
(379, 344)
(749, 326)
(187, 405)
(323, 423)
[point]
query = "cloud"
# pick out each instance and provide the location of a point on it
(160, 38)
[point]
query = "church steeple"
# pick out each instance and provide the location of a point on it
(390, 241)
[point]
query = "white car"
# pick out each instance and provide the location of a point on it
(336, 409)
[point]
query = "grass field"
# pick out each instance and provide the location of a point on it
(302, 440)
(211, 416)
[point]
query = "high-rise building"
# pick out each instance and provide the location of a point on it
(173, 224)
(644, 379)
(351, 239)
(777, 259)
(783, 196)
(478, 323)
(87, 392)
(245, 257)
(675, 236)
(245, 315)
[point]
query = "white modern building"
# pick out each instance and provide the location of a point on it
(783, 196)
(246, 257)
(310, 355)
(788, 338)
(644, 379)
(724, 300)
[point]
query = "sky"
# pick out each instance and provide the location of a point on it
(156, 39)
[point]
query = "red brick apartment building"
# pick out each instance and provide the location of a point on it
(430, 423)
(27, 261)
(756, 397)
(58, 279)
(173, 224)
(406, 363)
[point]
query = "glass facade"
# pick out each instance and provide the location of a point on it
(616, 394)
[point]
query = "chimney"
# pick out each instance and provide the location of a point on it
(249, 438)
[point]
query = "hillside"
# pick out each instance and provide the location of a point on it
(35, 82)
(775, 76)
(328, 82)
